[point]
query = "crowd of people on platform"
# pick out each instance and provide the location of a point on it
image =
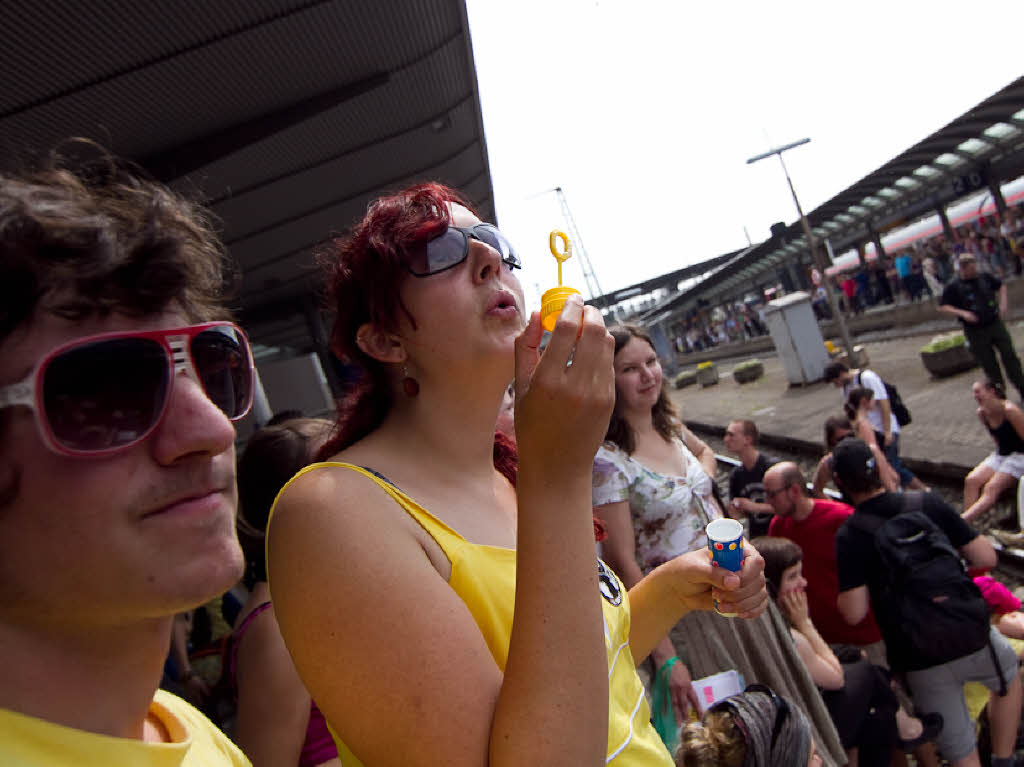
(702, 329)
(922, 270)
(912, 274)
(417, 582)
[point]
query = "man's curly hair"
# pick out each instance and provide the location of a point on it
(102, 239)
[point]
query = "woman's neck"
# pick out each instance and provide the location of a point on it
(443, 431)
(640, 421)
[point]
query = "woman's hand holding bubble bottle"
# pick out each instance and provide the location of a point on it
(553, 300)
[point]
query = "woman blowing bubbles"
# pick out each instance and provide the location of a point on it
(441, 612)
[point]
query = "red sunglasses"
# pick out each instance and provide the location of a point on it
(104, 393)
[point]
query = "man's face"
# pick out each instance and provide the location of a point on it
(777, 494)
(734, 438)
(99, 541)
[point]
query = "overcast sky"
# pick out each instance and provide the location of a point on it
(645, 111)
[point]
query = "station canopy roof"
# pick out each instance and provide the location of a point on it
(984, 142)
(285, 116)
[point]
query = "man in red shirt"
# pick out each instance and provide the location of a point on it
(812, 524)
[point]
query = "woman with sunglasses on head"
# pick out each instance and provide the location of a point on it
(276, 723)
(756, 728)
(653, 493)
(438, 610)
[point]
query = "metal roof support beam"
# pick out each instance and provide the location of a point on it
(877, 240)
(947, 228)
(996, 192)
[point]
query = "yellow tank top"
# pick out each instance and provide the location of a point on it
(484, 577)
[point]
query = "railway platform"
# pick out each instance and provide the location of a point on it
(944, 441)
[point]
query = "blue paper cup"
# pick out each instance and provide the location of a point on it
(725, 546)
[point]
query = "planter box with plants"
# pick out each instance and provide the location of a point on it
(748, 371)
(684, 379)
(947, 355)
(707, 374)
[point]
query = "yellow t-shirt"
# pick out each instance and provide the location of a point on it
(484, 577)
(195, 742)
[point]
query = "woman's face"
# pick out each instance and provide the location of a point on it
(839, 435)
(792, 579)
(465, 313)
(982, 394)
(866, 404)
(637, 375)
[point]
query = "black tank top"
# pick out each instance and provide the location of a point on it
(1006, 437)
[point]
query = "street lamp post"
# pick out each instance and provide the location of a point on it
(816, 256)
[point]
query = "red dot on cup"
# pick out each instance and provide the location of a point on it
(714, 563)
(719, 546)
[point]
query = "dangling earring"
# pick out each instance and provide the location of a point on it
(410, 385)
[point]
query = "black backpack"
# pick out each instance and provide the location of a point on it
(896, 404)
(926, 599)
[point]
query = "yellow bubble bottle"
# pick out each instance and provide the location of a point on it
(553, 300)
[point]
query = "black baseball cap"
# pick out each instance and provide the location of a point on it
(852, 461)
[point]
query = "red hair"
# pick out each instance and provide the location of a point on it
(363, 272)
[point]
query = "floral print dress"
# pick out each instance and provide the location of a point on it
(669, 513)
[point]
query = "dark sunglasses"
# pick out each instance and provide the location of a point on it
(781, 707)
(104, 393)
(451, 247)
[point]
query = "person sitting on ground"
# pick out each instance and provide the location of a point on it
(119, 384)
(756, 728)
(655, 499)
(881, 417)
(746, 488)
(473, 625)
(1002, 469)
(812, 524)
(837, 428)
(858, 693)
(277, 722)
(859, 405)
(937, 649)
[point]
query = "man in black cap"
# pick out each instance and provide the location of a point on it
(979, 302)
(900, 555)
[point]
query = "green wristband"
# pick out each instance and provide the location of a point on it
(667, 665)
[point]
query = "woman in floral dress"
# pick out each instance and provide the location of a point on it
(653, 493)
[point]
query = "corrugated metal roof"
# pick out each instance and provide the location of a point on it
(969, 143)
(288, 116)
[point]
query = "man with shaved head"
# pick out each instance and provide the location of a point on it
(812, 524)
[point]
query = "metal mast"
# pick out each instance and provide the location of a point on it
(577, 245)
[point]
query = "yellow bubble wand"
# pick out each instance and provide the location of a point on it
(554, 299)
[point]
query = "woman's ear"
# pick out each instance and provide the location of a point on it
(379, 344)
